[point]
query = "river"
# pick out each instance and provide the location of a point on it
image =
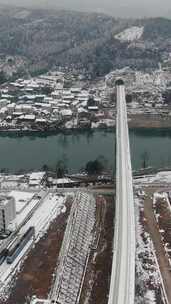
(32, 152)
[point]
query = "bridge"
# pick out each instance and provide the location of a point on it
(123, 266)
(122, 283)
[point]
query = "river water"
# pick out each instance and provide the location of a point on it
(32, 152)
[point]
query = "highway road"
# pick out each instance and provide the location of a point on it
(123, 266)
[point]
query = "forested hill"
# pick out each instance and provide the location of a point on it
(45, 39)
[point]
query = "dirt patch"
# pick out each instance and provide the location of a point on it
(147, 278)
(153, 228)
(97, 279)
(150, 121)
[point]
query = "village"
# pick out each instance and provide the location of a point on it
(66, 101)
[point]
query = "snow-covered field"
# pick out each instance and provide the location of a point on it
(130, 34)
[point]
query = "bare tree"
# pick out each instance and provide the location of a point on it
(145, 159)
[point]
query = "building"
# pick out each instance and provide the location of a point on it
(7, 211)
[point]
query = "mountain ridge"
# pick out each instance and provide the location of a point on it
(46, 39)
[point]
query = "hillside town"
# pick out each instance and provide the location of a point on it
(62, 100)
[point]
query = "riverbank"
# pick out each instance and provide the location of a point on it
(148, 121)
(136, 121)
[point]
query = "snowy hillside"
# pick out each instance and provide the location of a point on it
(130, 34)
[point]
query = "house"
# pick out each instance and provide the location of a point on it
(66, 113)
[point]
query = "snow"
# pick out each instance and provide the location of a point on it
(64, 181)
(21, 199)
(36, 178)
(162, 196)
(7, 271)
(40, 301)
(164, 176)
(23, 215)
(160, 178)
(107, 122)
(130, 34)
(21, 182)
(41, 120)
(66, 112)
(37, 175)
(50, 207)
(150, 297)
(82, 110)
(147, 270)
(149, 282)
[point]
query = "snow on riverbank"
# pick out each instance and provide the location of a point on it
(159, 178)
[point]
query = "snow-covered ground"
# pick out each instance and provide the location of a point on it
(21, 199)
(130, 34)
(25, 212)
(7, 271)
(36, 179)
(162, 212)
(52, 205)
(20, 182)
(106, 122)
(149, 284)
(150, 297)
(163, 196)
(159, 178)
(147, 268)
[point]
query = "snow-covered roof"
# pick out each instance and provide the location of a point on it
(93, 108)
(3, 110)
(60, 181)
(37, 176)
(75, 90)
(29, 117)
(82, 110)
(41, 120)
(66, 112)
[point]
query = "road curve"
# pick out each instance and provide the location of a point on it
(123, 267)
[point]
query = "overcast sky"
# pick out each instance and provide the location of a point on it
(123, 8)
